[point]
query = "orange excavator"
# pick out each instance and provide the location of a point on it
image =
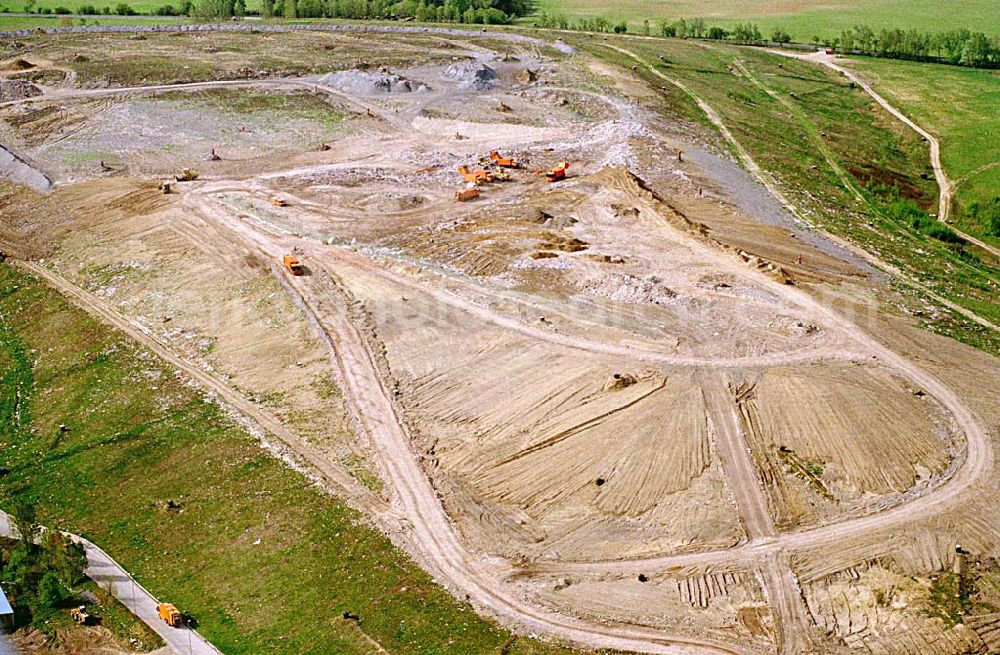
(557, 173)
(504, 162)
(478, 176)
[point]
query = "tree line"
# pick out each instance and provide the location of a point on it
(490, 12)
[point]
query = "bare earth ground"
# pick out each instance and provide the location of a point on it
(617, 410)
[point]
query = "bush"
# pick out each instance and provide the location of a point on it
(88, 10)
(123, 9)
(62, 11)
(911, 213)
(52, 594)
(988, 215)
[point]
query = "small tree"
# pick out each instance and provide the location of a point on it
(19, 570)
(25, 521)
(780, 36)
(64, 557)
(52, 594)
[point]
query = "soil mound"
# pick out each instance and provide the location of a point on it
(631, 289)
(19, 65)
(472, 75)
(360, 82)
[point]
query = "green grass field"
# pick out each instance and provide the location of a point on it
(264, 560)
(802, 19)
(33, 22)
(960, 107)
(795, 138)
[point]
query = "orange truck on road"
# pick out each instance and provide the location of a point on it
(169, 614)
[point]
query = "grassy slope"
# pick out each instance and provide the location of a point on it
(786, 141)
(802, 19)
(960, 107)
(264, 560)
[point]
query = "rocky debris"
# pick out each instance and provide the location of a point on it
(622, 210)
(632, 289)
(471, 74)
(619, 381)
(542, 217)
(527, 76)
(360, 82)
(11, 90)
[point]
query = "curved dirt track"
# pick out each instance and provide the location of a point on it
(443, 550)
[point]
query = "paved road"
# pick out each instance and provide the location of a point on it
(104, 570)
(6, 646)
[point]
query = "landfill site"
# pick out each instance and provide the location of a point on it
(567, 354)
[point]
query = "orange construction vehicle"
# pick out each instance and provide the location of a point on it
(169, 614)
(504, 162)
(478, 176)
(279, 202)
(557, 173)
(293, 264)
(467, 194)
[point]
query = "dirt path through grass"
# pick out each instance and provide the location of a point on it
(946, 187)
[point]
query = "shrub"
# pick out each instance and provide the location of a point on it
(988, 215)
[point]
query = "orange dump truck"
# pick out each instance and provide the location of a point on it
(503, 162)
(467, 194)
(557, 173)
(293, 264)
(169, 614)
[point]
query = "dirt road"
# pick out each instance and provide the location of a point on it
(107, 572)
(946, 188)
(737, 461)
(439, 548)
